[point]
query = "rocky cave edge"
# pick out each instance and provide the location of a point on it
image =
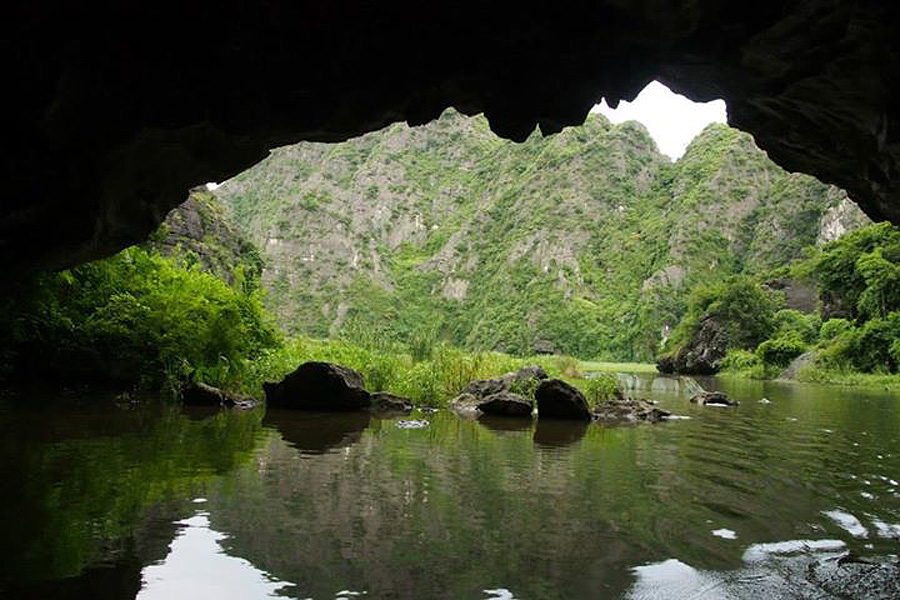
(119, 108)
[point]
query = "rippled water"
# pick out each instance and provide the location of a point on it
(794, 498)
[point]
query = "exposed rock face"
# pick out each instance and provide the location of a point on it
(620, 409)
(111, 127)
(482, 388)
(799, 295)
(319, 386)
(702, 354)
(804, 360)
(198, 231)
(506, 404)
(713, 399)
(556, 399)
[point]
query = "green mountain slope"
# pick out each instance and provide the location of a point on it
(585, 242)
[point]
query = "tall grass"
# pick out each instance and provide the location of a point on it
(431, 379)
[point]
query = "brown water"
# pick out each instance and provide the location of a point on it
(797, 498)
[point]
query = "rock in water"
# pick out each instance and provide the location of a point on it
(201, 394)
(465, 404)
(713, 399)
(319, 386)
(620, 409)
(385, 402)
(506, 404)
(556, 399)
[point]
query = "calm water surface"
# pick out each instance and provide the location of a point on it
(796, 498)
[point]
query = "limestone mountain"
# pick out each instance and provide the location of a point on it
(200, 232)
(585, 242)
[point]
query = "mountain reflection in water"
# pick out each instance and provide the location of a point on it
(797, 498)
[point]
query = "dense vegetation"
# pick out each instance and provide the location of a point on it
(855, 327)
(134, 318)
(584, 243)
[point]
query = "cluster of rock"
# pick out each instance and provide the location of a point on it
(553, 398)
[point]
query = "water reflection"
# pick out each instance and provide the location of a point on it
(196, 567)
(502, 425)
(317, 433)
(342, 505)
(558, 434)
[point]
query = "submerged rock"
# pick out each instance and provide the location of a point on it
(620, 409)
(385, 402)
(713, 399)
(506, 404)
(319, 386)
(556, 399)
(201, 394)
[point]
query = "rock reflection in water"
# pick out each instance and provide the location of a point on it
(317, 433)
(504, 424)
(559, 434)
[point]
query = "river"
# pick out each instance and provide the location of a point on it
(793, 497)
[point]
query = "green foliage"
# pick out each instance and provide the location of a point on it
(791, 323)
(597, 389)
(832, 328)
(860, 274)
(741, 305)
(781, 350)
(136, 318)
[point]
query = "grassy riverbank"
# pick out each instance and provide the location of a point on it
(430, 376)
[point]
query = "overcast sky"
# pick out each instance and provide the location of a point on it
(672, 120)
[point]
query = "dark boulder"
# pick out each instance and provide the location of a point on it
(201, 394)
(556, 399)
(319, 386)
(620, 409)
(506, 404)
(713, 399)
(700, 355)
(387, 403)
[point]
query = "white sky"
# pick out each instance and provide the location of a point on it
(672, 120)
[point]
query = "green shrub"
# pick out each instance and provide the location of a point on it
(833, 328)
(790, 322)
(781, 351)
(136, 318)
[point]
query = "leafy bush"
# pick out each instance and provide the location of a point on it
(790, 322)
(135, 318)
(738, 303)
(781, 351)
(833, 328)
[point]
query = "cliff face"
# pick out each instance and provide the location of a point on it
(200, 232)
(586, 242)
